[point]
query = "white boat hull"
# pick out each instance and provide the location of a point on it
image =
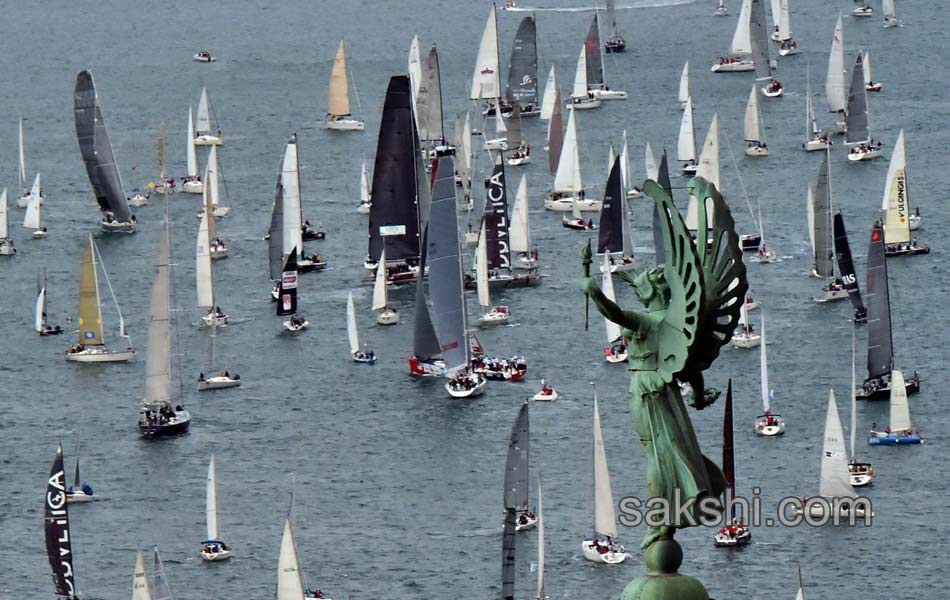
(609, 94)
(345, 124)
(770, 93)
(192, 187)
(218, 382)
(616, 357)
(497, 144)
(620, 265)
(210, 320)
(117, 226)
(215, 556)
(584, 103)
(295, 327)
(208, 140)
(855, 155)
(7, 248)
(566, 204)
(495, 317)
(529, 522)
(39, 234)
(739, 66)
(542, 397)
(746, 340)
(756, 151)
(364, 208)
(138, 200)
(608, 558)
(816, 144)
(387, 317)
(915, 223)
(518, 161)
(100, 355)
(469, 392)
(770, 430)
(78, 496)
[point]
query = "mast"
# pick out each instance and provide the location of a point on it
(764, 373)
(854, 397)
(56, 525)
(211, 502)
(516, 465)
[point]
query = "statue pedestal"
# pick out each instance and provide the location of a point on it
(662, 582)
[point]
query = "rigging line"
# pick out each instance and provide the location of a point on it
(745, 193)
(115, 301)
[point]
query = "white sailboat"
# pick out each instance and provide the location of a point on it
(686, 144)
(366, 200)
(212, 171)
(898, 218)
(834, 82)
(40, 324)
(388, 315)
(25, 195)
(616, 349)
(857, 135)
(862, 8)
(861, 473)
(213, 548)
(7, 248)
(568, 184)
(752, 129)
(486, 82)
(869, 84)
(523, 255)
(91, 345)
(581, 97)
(338, 106)
(353, 335)
(603, 546)
(899, 432)
(739, 59)
(577, 220)
(289, 575)
(204, 273)
(141, 590)
(632, 190)
(684, 94)
(191, 183)
(890, 14)
(745, 335)
(721, 10)
(495, 315)
(815, 139)
(549, 97)
(31, 220)
(293, 222)
(789, 46)
(203, 134)
(767, 424)
(595, 61)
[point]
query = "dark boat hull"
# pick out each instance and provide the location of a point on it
(615, 46)
(516, 280)
(875, 389)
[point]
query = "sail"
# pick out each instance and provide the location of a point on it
(289, 578)
(425, 344)
(287, 290)
(443, 254)
(867, 68)
(211, 176)
(290, 178)
(364, 184)
(380, 299)
(56, 522)
(97, 150)
(896, 204)
(662, 178)
(686, 146)
(508, 556)
(611, 235)
(846, 264)
(822, 223)
(759, 37)
(857, 116)
(835, 477)
(605, 520)
(481, 269)
(568, 176)
(393, 218)
(880, 344)
(611, 20)
(485, 82)
(516, 466)
(211, 502)
(784, 21)
(834, 83)
(39, 310)
(852, 392)
(496, 218)
(158, 368)
(21, 172)
(540, 546)
(203, 120)
(203, 277)
(190, 153)
(593, 57)
(625, 164)
(523, 65)
(275, 240)
(614, 332)
(352, 334)
(683, 95)
(580, 76)
(708, 167)
(741, 39)
(811, 123)
(547, 102)
(649, 163)
(31, 219)
(556, 134)
(160, 588)
(338, 103)
(900, 411)
(140, 586)
(90, 311)
(520, 237)
(515, 139)
(728, 450)
(4, 225)
(764, 368)
(888, 10)
(434, 123)
(750, 130)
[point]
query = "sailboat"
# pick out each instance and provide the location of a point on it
(353, 335)
(616, 349)
(614, 240)
(549, 100)
(523, 70)
(683, 96)
(686, 146)
(521, 155)
(581, 96)
(767, 424)
(213, 192)
(91, 345)
(745, 335)
(862, 8)
(834, 82)
(290, 584)
(213, 548)
(161, 414)
(615, 42)
(428, 107)
(287, 295)
(815, 139)
(366, 199)
(40, 323)
(159, 581)
(56, 525)
(738, 60)
(880, 339)
(869, 84)
(898, 218)
(721, 10)
(862, 473)
(26, 194)
(164, 184)
(7, 247)
(788, 46)
(821, 234)
(576, 220)
(388, 315)
(31, 220)
(516, 472)
(141, 590)
(79, 491)
(294, 227)
(890, 14)
(338, 106)
(596, 80)
(523, 254)
(603, 546)
(752, 130)
(486, 84)
(495, 315)
(203, 134)
(734, 533)
(846, 267)
(204, 271)
(760, 50)
(899, 431)
(191, 183)
(858, 133)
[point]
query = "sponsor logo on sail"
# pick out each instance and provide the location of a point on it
(901, 199)
(496, 224)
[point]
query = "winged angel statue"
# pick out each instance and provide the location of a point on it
(692, 307)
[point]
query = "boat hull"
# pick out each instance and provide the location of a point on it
(505, 281)
(739, 66)
(746, 341)
(566, 204)
(177, 426)
(100, 355)
(7, 248)
(208, 140)
(724, 540)
(426, 368)
(218, 382)
(345, 124)
(816, 144)
(585, 103)
(466, 392)
(609, 95)
(388, 317)
(609, 558)
(905, 249)
(855, 155)
(895, 440)
(295, 327)
(873, 389)
(542, 397)
(192, 187)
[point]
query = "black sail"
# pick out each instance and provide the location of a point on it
(516, 465)
(425, 343)
(663, 178)
(610, 238)
(880, 345)
(96, 149)
(555, 133)
(56, 520)
(393, 216)
(287, 291)
(497, 235)
(595, 65)
(275, 240)
(523, 65)
(846, 267)
(728, 451)
(435, 130)
(508, 557)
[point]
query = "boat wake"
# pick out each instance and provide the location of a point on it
(576, 9)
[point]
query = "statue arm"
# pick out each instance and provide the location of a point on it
(610, 309)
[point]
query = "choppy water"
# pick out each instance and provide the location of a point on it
(399, 489)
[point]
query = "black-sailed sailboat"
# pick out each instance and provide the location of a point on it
(735, 533)
(287, 295)
(614, 238)
(846, 267)
(516, 471)
(58, 541)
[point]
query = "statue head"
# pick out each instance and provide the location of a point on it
(651, 287)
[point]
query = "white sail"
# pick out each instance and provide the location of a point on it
(541, 595)
(742, 38)
(364, 184)
(192, 157)
(580, 76)
(290, 178)
(624, 164)
(4, 225)
(611, 157)
(415, 66)
(203, 277)
(811, 123)
(888, 10)
(140, 586)
(568, 176)
(835, 477)
(649, 161)
(810, 216)
(750, 130)
(31, 219)
(500, 127)
(289, 578)
(485, 82)
(39, 310)
(684, 94)
(896, 205)
(900, 411)
(21, 173)
(203, 120)
(380, 293)
(467, 143)
(211, 502)
(605, 519)
(550, 91)
(686, 146)
(744, 314)
(520, 240)
(708, 167)
(784, 21)
(834, 84)
(764, 363)
(352, 333)
(481, 269)
(776, 8)
(211, 174)
(867, 68)
(36, 190)
(614, 331)
(854, 398)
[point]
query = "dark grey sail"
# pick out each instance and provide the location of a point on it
(523, 65)
(433, 82)
(508, 557)
(393, 218)
(595, 63)
(444, 257)
(759, 40)
(822, 224)
(515, 137)
(56, 524)
(287, 288)
(612, 20)
(611, 236)
(96, 150)
(160, 588)
(423, 189)
(516, 465)
(880, 344)
(555, 133)
(497, 235)
(663, 178)
(857, 115)
(275, 241)
(846, 268)
(425, 344)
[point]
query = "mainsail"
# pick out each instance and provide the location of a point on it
(158, 367)
(204, 279)
(750, 130)
(352, 334)
(741, 39)
(547, 102)
(496, 218)
(684, 94)
(523, 65)
(835, 477)
(614, 332)
(520, 234)
(846, 265)
(686, 145)
(160, 588)
(820, 212)
(275, 240)
(516, 466)
(289, 577)
(339, 95)
(834, 83)
(434, 131)
(728, 450)
(605, 519)
(141, 590)
(759, 38)
(880, 343)
(556, 133)
(203, 120)
(568, 175)
(593, 57)
(896, 204)
(56, 520)
(90, 311)
(612, 216)
(857, 116)
(899, 409)
(485, 82)
(211, 502)
(292, 222)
